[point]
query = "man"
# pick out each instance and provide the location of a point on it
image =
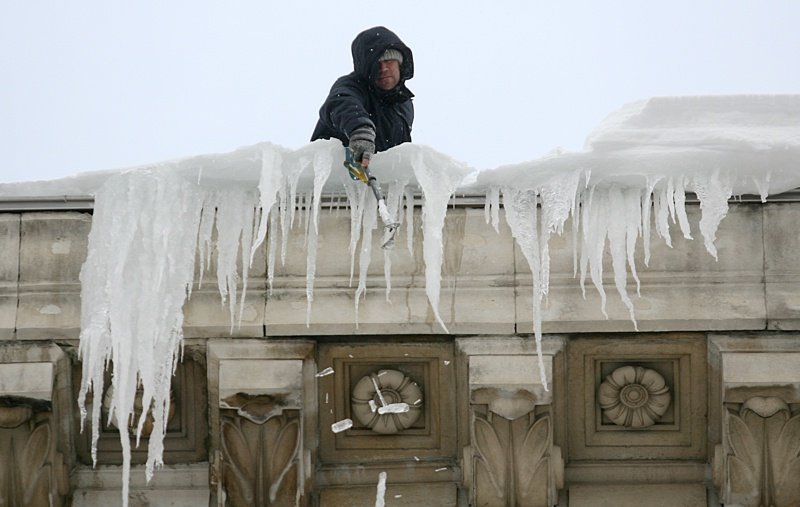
(370, 109)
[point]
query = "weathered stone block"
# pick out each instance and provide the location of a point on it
(50, 314)
(259, 376)
(205, 315)
(172, 485)
(400, 495)
(9, 273)
(29, 380)
(765, 368)
(471, 247)
(53, 246)
(652, 495)
(476, 261)
(52, 251)
(469, 310)
(782, 265)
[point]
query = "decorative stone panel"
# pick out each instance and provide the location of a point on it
(409, 368)
(634, 397)
(387, 401)
(261, 437)
(757, 459)
(667, 378)
(510, 459)
(758, 462)
(35, 445)
(260, 461)
(187, 427)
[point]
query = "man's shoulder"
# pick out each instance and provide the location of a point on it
(351, 81)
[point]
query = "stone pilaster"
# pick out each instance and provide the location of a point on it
(511, 458)
(260, 396)
(757, 461)
(34, 425)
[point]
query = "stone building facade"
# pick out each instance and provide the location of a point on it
(700, 406)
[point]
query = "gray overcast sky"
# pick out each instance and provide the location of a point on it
(90, 85)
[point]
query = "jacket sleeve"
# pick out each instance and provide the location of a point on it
(345, 108)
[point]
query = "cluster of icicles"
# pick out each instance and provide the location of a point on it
(151, 224)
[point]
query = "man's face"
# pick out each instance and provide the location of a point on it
(388, 74)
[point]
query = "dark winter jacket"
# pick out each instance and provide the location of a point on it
(355, 101)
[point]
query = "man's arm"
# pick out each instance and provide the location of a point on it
(344, 110)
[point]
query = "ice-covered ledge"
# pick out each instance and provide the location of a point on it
(621, 192)
(751, 286)
(477, 294)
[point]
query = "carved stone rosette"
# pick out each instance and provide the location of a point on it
(386, 387)
(514, 461)
(758, 462)
(634, 397)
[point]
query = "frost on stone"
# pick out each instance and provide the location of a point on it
(324, 373)
(378, 391)
(340, 426)
(381, 490)
(394, 408)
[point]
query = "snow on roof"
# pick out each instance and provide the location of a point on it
(750, 138)
(747, 136)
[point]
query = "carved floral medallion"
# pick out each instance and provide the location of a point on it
(386, 388)
(634, 397)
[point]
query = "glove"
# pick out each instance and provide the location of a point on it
(362, 142)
